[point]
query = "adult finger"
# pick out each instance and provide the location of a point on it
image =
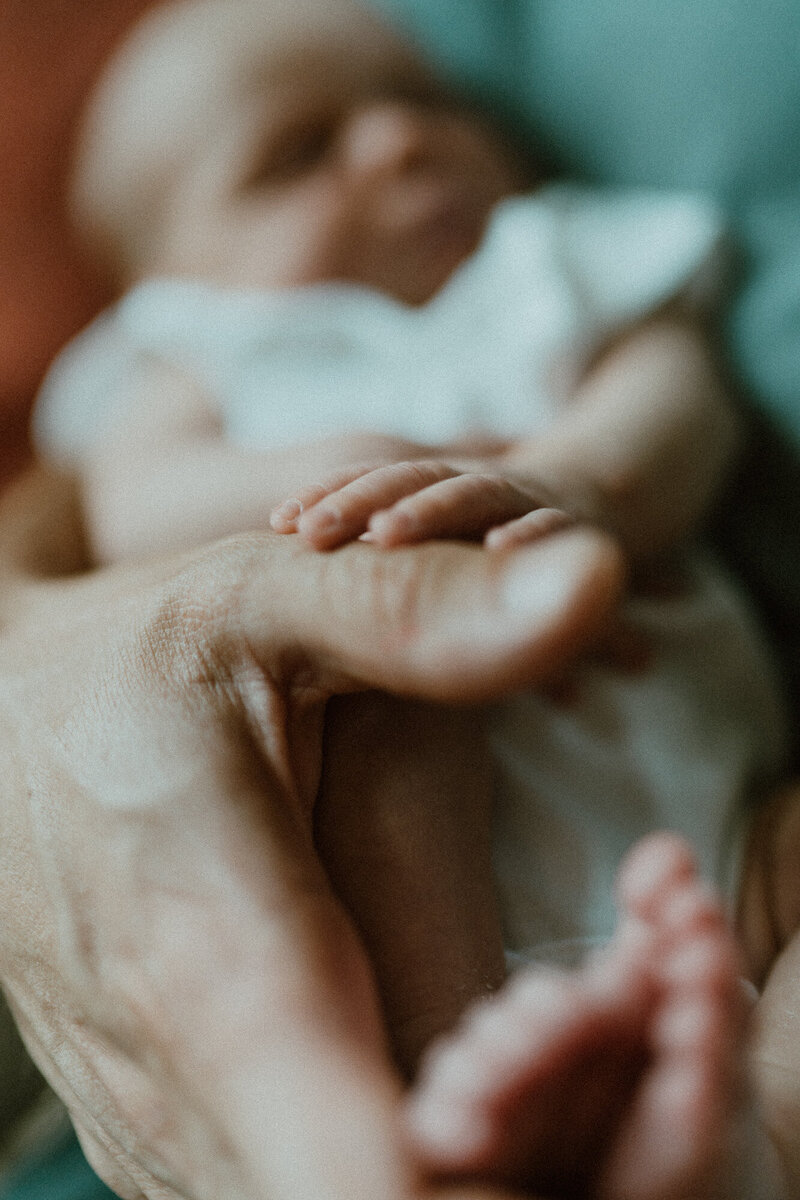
(443, 621)
(309, 625)
(420, 622)
(193, 928)
(198, 996)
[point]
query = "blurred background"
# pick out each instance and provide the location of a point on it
(49, 54)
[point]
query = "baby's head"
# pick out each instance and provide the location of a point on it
(277, 143)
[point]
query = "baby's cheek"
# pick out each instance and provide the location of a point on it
(293, 240)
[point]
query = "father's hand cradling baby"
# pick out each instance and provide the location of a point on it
(170, 944)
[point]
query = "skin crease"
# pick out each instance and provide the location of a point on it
(171, 948)
(228, 193)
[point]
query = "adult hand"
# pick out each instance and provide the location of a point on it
(170, 945)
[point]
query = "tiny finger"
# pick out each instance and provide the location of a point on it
(343, 514)
(461, 506)
(527, 528)
(285, 516)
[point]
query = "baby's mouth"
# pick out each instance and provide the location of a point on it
(438, 221)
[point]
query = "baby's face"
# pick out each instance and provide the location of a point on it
(337, 158)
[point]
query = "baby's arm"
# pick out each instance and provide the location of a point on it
(646, 442)
(641, 449)
(165, 477)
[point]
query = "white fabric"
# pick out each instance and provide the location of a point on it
(687, 745)
(495, 351)
(684, 745)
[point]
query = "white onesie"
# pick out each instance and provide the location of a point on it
(685, 745)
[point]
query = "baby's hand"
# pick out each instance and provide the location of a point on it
(407, 502)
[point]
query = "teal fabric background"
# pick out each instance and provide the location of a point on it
(697, 94)
(61, 1173)
(700, 94)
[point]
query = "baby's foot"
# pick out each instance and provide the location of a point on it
(675, 1140)
(534, 1082)
(616, 1080)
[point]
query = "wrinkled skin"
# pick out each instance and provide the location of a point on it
(170, 945)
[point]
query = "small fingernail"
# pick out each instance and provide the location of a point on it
(286, 513)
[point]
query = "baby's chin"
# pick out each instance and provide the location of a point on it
(418, 272)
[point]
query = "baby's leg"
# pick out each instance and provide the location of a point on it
(617, 1080)
(422, 776)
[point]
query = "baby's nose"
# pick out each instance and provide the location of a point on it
(384, 136)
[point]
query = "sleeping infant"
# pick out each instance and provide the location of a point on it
(350, 308)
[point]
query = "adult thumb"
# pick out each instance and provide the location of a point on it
(444, 621)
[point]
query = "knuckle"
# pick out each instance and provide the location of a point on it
(195, 615)
(423, 472)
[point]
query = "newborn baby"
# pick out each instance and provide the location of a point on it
(325, 261)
